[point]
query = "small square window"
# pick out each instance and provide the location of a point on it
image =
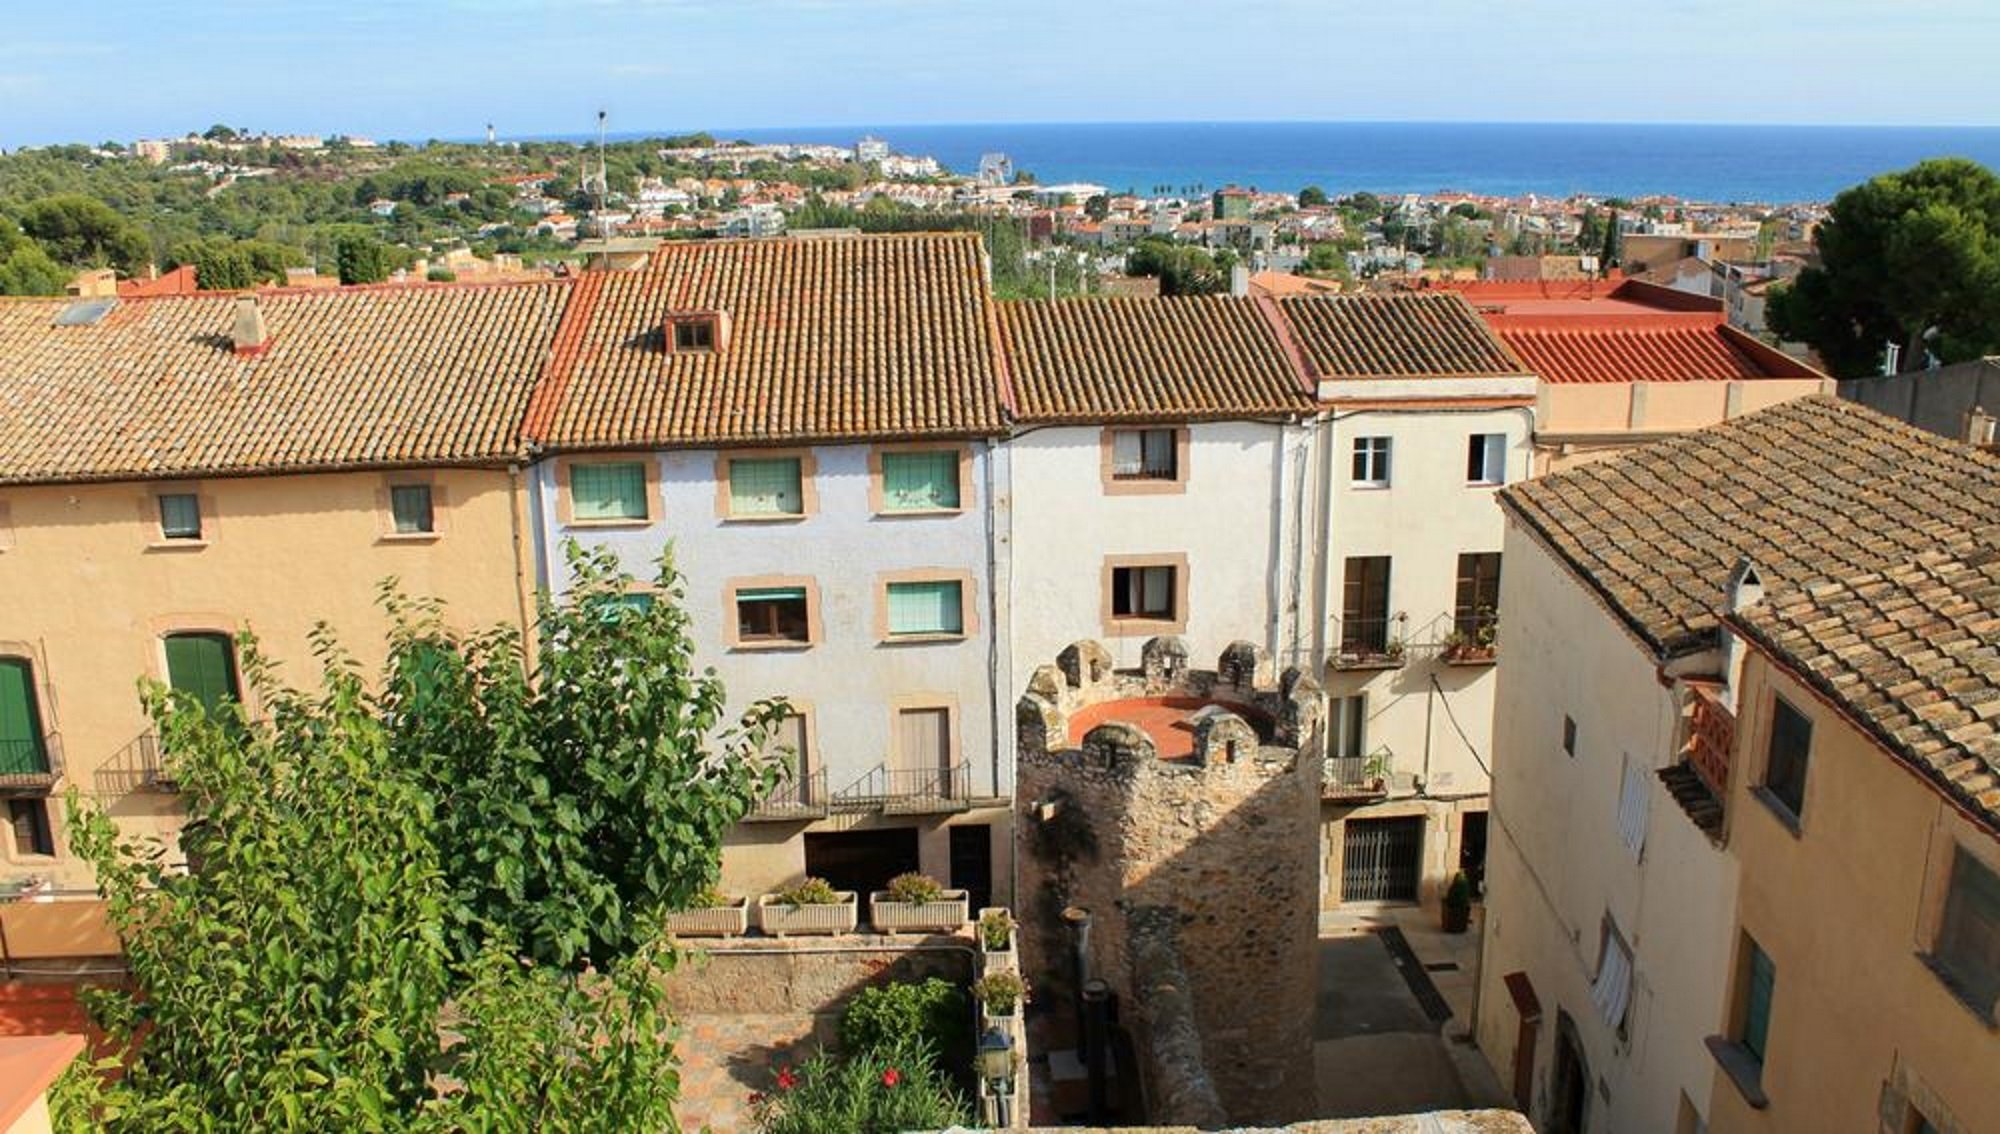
(691, 335)
(1142, 592)
(1789, 751)
(926, 608)
(772, 615)
(1144, 454)
(1371, 462)
(1569, 735)
(29, 819)
(180, 516)
(1486, 459)
(766, 486)
(411, 505)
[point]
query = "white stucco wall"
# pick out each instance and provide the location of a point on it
(849, 682)
(1557, 866)
(1236, 522)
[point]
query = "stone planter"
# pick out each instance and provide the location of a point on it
(732, 920)
(780, 920)
(946, 915)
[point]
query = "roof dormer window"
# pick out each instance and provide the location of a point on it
(696, 332)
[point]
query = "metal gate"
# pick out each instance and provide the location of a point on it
(1382, 860)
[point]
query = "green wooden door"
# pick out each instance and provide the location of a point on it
(21, 750)
(202, 665)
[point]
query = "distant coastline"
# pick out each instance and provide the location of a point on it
(1768, 164)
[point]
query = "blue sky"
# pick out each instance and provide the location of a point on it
(444, 68)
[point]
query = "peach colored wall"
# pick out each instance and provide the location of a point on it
(42, 930)
(90, 594)
(1576, 423)
(1843, 908)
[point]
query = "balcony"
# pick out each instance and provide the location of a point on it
(795, 799)
(1700, 782)
(1356, 777)
(30, 767)
(909, 791)
(1370, 643)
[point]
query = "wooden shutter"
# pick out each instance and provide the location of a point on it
(21, 749)
(203, 665)
(923, 739)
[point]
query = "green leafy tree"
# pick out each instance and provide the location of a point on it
(1312, 197)
(83, 232)
(24, 268)
(1607, 255)
(1326, 257)
(1097, 207)
(361, 259)
(1182, 269)
(882, 1016)
(1910, 258)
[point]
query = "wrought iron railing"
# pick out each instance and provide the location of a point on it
(795, 797)
(1711, 733)
(907, 790)
(1370, 641)
(1352, 775)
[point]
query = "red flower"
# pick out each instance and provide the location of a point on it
(786, 1079)
(891, 1077)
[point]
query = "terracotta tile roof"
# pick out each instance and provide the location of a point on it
(1639, 349)
(1809, 490)
(836, 338)
(1395, 336)
(376, 376)
(1912, 652)
(1180, 358)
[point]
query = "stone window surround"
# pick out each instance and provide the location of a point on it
(808, 491)
(965, 491)
(385, 510)
(1142, 486)
(204, 502)
(565, 504)
(1128, 627)
(968, 604)
(731, 631)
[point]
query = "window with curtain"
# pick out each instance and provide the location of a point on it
(1144, 454)
(765, 486)
(204, 666)
(1967, 950)
(1632, 807)
(411, 505)
(920, 482)
(611, 491)
(1142, 592)
(1611, 992)
(180, 515)
(21, 745)
(1350, 726)
(926, 608)
(772, 614)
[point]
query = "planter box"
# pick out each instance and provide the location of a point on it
(989, 959)
(718, 921)
(1470, 655)
(781, 920)
(946, 915)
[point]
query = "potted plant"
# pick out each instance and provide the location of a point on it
(1474, 647)
(711, 913)
(996, 931)
(812, 906)
(1375, 769)
(917, 903)
(1000, 993)
(1458, 904)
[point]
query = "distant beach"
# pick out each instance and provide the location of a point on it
(1771, 164)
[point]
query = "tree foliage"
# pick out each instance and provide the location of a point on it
(1910, 258)
(325, 962)
(361, 259)
(881, 1016)
(83, 232)
(231, 265)
(1312, 197)
(24, 268)
(1182, 269)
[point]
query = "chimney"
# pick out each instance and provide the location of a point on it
(249, 336)
(1239, 280)
(1745, 590)
(1979, 426)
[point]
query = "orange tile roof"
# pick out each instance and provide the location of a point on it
(837, 338)
(355, 377)
(1104, 359)
(1396, 336)
(1633, 349)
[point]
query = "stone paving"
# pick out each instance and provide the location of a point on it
(727, 1059)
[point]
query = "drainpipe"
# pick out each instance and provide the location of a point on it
(524, 607)
(999, 657)
(1096, 1045)
(1077, 920)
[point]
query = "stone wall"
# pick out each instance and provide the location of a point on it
(1225, 838)
(757, 977)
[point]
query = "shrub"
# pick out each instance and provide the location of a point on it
(811, 892)
(1001, 992)
(915, 888)
(709, 898)
(880, 1091)
(934, 1010)
(996, 927)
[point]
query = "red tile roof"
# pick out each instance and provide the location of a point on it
(1665, 348)
(1395, 336)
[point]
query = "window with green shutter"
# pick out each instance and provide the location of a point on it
(180, 515)
(1762, 979)
(21, 749)
(765, 486)
(926, 608)
(920, 482)
(411, 504)
(613, 491)
(204, 666)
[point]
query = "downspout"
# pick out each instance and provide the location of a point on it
(999, 659)
(517, 500)
(1274, 584)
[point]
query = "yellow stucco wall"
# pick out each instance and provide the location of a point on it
(90, 590)
(1859, 1025)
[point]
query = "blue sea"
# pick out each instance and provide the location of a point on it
(1766, 164)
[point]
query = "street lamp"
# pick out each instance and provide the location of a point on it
(996, 1067)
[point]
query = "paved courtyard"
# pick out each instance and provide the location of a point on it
(727, 1059)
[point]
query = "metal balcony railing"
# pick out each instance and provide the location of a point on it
(31, 765)
(795, 797)
(910, 791)
(1363, 775)
(1373, 642)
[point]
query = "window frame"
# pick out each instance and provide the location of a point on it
(1778, 796)
(1361, 458)
(385, 499)
(42, 834)
(732, 621)
(714, 323)
(1982, 999)
(1135, 625)
(1348, 715)
(1466, 619)
(42, 732)
(649, 471)
(1349, 584)
(1490, 451)
(725, 504)
(1115, 485)
(878, 484)
(153, 512)
(968, 607)
(954, 755)
(233, 662)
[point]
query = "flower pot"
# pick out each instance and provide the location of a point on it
(732, 920)
(945, 915)
(1002, 958)
(781, 920)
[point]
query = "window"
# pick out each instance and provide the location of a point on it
(694, 335)
(1364, 611)
(410, 505)
(1760, 978)
(21, 745)
(1967, 950)
(1478, 596)
(1632, 800)
(180, 516)
(1371, 462)
(766, 486)
(1144, 454)
(922, 764)
(1350, 727)
(1142, 592)
(926, 608)
(631, 602)
(1786, 758)
(1486, 459)
(788, 743)
(30, 820)
(1611, 992)
(203, 666)
(608, 492)
(772, 615)
(1569, 736)
(923, 481)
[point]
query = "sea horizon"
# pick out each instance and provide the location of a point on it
(1712, 162)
